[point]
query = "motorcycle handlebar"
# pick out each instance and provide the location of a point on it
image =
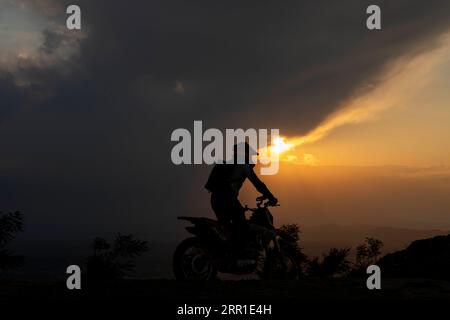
(260, 203)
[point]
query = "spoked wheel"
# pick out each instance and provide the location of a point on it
(193, 261)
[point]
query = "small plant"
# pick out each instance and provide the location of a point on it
(114, 261)
(335, 263)
(293, 230)
(368, 252)
(10, 225)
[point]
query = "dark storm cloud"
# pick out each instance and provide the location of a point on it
(89, 147)
(241, 61)
(10, 98)
(52, 41)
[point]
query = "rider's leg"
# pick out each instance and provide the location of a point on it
(220, 204)
(240, 227)
(219, 207)
(231, 215)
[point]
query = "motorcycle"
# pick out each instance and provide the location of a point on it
(270, 252)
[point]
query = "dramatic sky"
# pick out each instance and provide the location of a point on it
(86, 116)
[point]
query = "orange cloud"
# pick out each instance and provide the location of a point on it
(400, 83)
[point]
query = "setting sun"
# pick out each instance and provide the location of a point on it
(279, 146)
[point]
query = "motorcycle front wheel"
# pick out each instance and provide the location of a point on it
(192, 260)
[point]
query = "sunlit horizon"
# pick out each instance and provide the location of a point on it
(400, 121)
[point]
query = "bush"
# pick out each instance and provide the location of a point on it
(293, 230)
(335, 263)
(367, 253)
(114, 261)
(10, 225)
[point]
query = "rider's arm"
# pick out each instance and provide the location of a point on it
(259, 185)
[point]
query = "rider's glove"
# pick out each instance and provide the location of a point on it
(272, 201)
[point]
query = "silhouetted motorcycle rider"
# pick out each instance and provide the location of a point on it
(224, 183)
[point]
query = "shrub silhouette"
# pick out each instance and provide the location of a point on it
(367, 253)
(335, 263)
(114, 261)
(10, 225)
(293, 230)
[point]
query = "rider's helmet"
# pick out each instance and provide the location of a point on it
(244, 153)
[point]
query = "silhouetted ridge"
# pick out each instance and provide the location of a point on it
(427, 258)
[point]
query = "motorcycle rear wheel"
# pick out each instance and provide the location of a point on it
(192, 260)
